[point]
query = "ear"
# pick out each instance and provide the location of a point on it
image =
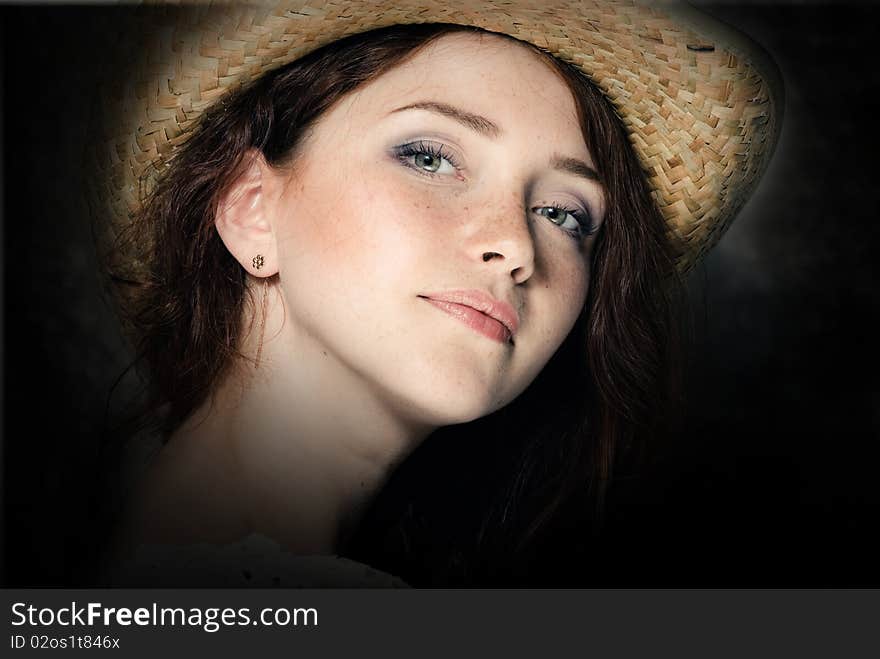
(242, 218)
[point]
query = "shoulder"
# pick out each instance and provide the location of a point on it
(176, 484)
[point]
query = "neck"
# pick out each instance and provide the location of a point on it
(294, 448)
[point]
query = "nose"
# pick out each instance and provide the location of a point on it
(502, 239)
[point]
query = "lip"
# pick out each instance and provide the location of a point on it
(483, 313)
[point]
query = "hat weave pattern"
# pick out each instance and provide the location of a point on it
(702, 116)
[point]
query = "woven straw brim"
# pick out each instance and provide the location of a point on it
(701, 103)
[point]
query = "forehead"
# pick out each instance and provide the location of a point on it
(484, 58)
(485, 74)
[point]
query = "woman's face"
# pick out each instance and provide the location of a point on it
(434, 234)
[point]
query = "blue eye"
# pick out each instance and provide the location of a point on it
(576, 222)
(426, 158)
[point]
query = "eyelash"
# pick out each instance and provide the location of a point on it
(405, 152)
(586, 226)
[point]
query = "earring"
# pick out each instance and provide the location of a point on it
(263, 309)
(258, 261)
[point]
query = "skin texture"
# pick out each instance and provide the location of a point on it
(356, 367)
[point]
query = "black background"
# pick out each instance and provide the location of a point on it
(771, 483)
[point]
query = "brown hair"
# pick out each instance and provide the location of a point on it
(186, 312)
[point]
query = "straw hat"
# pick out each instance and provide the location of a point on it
(701, 103)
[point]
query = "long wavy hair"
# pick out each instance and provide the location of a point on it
(612, 385)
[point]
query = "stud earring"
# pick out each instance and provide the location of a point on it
(258, 261)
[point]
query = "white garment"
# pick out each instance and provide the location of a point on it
(254, 562)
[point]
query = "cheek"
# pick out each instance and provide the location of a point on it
(566, 284)
(558, 309)
(399, 229)
(555, 305)
(573, 292)
(359, 226)
(320, 220)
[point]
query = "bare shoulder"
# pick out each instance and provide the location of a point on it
(186, 494)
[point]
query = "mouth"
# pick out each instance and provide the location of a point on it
(481, 312)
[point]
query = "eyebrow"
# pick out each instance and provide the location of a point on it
(470, 120)
(490, 129)
(576, 167)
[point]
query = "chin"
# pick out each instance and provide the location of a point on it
(440, 401)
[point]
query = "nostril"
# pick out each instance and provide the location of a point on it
(488, 256)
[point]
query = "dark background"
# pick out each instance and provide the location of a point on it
(773, 481)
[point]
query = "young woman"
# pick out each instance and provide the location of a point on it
(419, 230)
